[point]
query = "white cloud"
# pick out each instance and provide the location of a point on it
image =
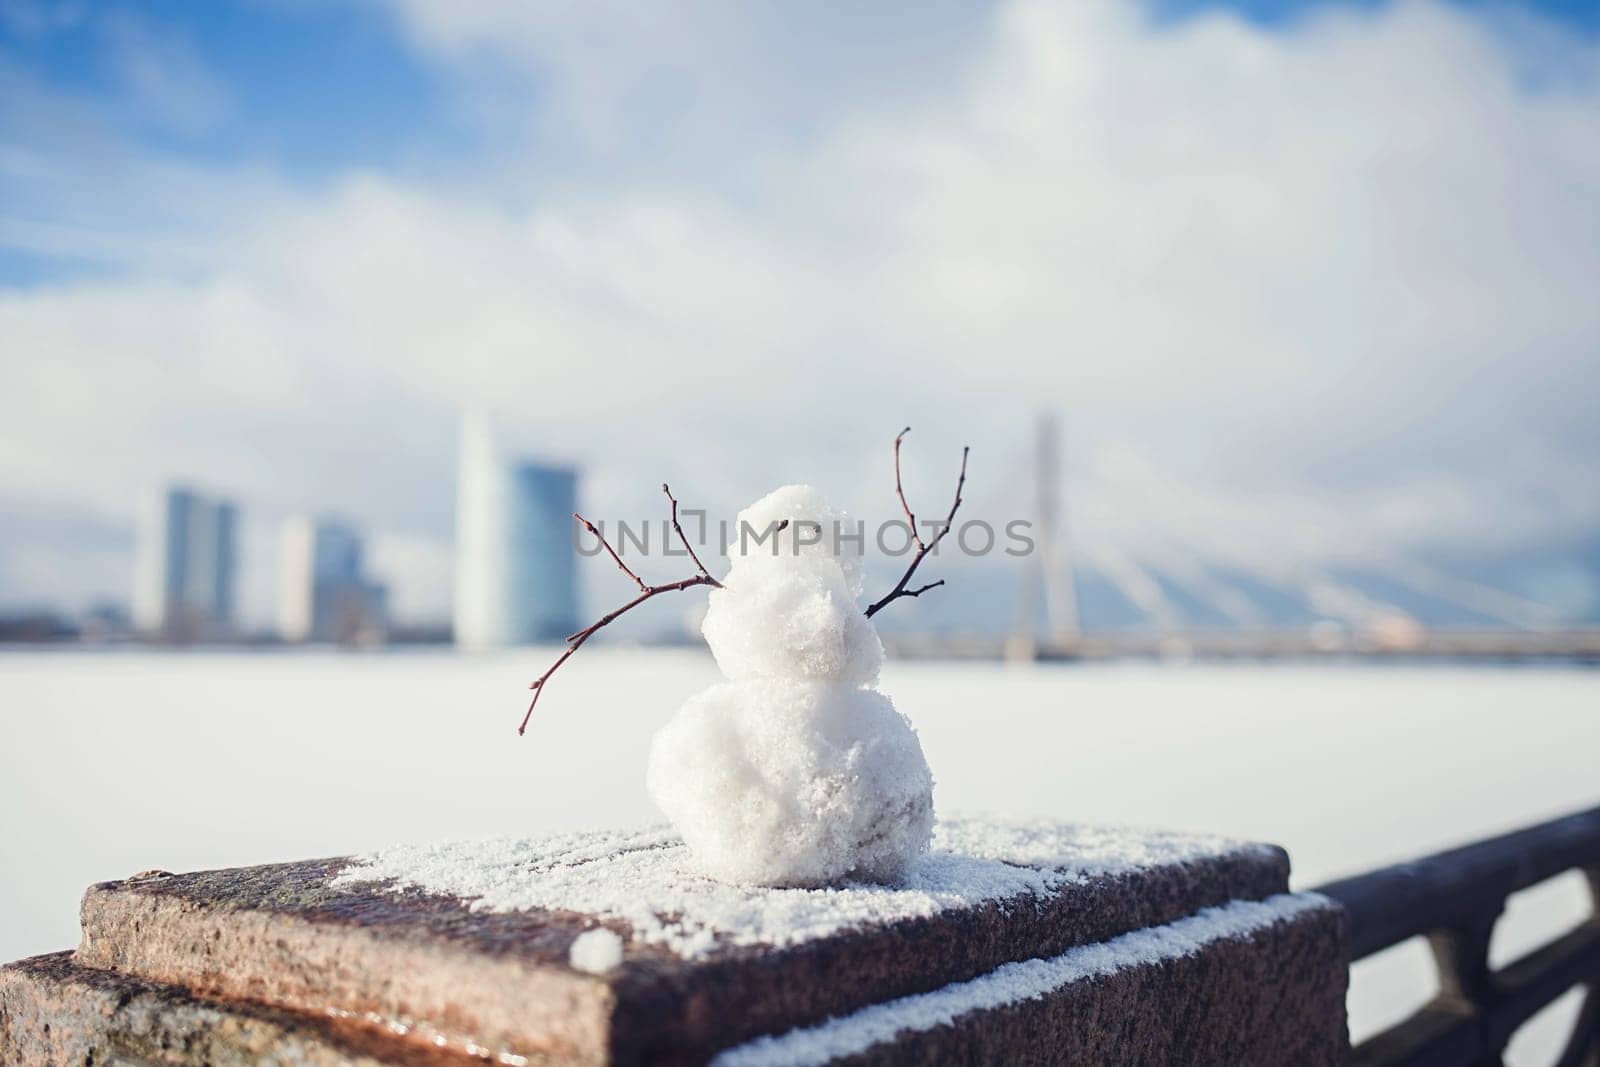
(1335, 284)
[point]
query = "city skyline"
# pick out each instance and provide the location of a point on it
(516, 578)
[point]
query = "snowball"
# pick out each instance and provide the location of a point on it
(595, 951)
(782, 782)
(794, 621)
(758, 544)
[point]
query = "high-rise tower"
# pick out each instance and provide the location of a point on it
(323, 591)
(186, 566)
(516, 563)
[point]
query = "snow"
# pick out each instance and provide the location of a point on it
(1085, 851)
(817, 531)
(596, 951)
(1013, 983)
(646, 878)
(795, 773)
(791, 621)
(783, 783)
(103, 754)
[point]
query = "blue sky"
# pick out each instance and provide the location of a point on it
(301, 90)
(1314, 280)
(310, 87)
(310, 90)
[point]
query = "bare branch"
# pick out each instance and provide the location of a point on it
(587, 525)
(575, 641)
(679, 531)
(911, 520)
(923, 548)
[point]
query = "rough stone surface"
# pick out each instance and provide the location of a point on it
(1274, 996)
(54, 1013)
(503, 981)
(279, 935)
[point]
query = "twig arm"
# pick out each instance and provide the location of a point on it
(575, 641)
(923, 549)
(646, 591)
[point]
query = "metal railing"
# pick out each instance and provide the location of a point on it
(1453, 899)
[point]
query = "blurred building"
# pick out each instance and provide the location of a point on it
(187, 559)
(106, 620)
(516, 566)
(323, 592)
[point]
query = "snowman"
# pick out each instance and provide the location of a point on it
(795, 771)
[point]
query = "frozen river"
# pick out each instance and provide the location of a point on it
(111, 763)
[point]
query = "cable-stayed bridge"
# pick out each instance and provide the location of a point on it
(1190, 606)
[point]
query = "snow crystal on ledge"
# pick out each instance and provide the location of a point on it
(644, 879)
(1013, 983)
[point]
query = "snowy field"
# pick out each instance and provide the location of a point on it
(111, 763)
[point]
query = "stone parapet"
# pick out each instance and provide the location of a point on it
(1045, 942)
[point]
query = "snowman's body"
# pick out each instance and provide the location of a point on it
(796, 771)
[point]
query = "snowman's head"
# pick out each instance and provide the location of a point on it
(794, 621)
(793, 526)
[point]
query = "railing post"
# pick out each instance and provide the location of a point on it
(1461, 954)
(1461, 957)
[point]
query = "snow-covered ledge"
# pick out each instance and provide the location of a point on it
(1007, 942)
